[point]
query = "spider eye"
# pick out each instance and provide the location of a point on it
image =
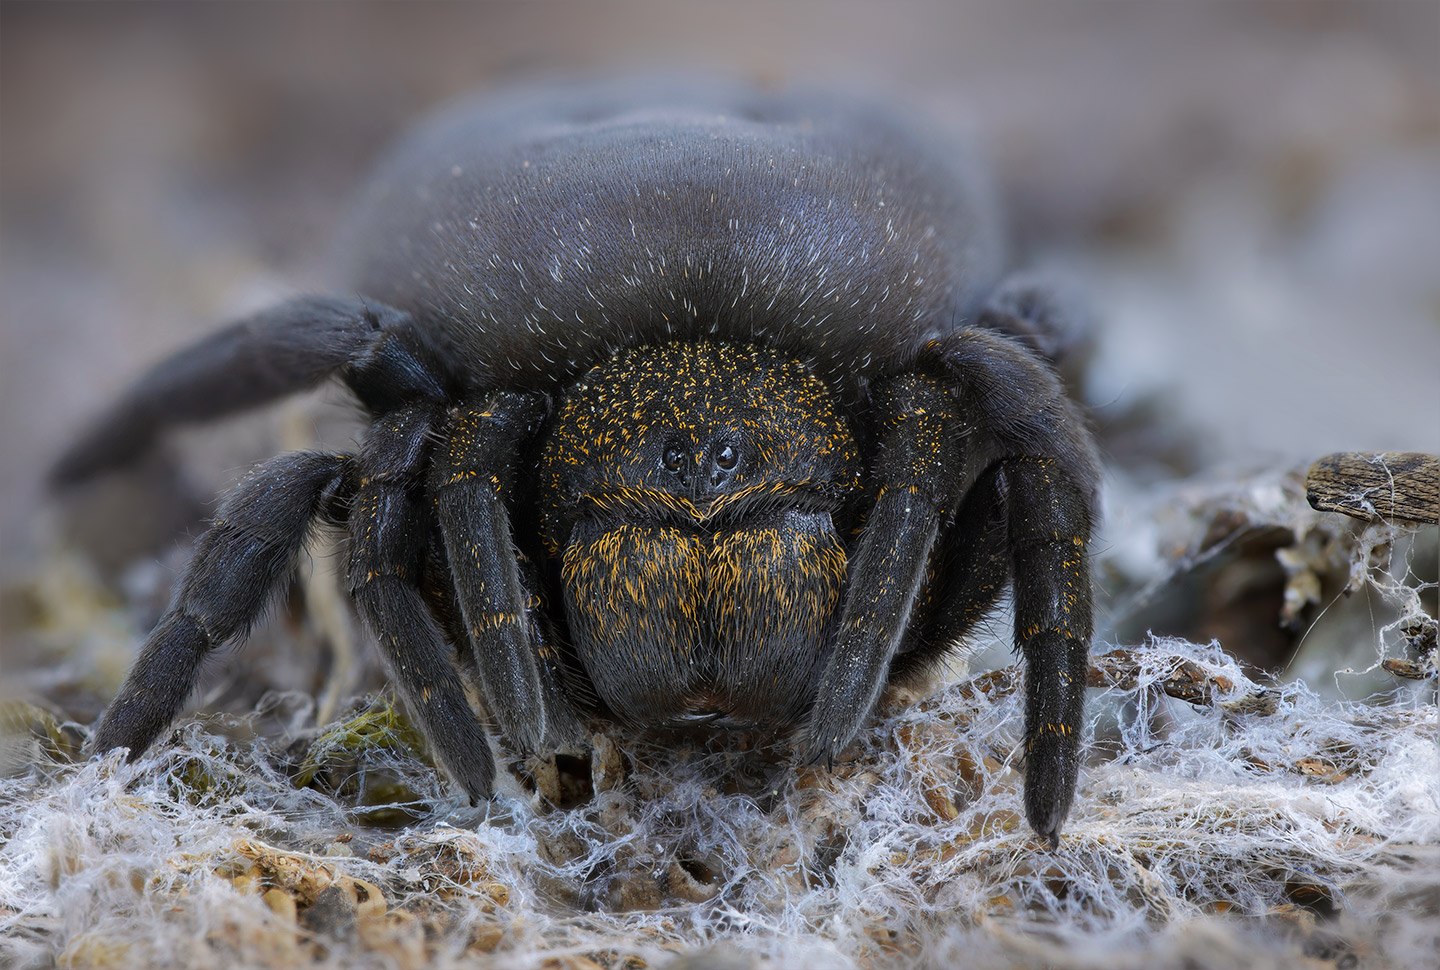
(672, 458)
(727, 456)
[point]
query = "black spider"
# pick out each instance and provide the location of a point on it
(698, 406)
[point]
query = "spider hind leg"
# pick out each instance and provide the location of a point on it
(274, 353)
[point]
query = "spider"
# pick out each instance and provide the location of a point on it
(695, 407)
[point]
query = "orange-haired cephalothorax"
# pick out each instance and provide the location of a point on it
(688, 492)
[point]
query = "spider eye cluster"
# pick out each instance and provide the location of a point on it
(693, 427)
(714, 461)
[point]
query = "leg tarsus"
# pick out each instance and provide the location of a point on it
(429, 683)
(1050, 522)
(156, 688)
(1053, 723)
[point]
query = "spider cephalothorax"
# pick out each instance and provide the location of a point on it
(703, 408)
(691, 492)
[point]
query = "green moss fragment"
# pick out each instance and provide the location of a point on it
(349, 762)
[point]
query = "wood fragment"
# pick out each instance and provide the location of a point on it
(1409, 669)
(1186, 681)
(1392, 486)
(1123, 669)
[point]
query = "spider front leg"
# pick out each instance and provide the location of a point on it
(1033, 435)
(1008, 525)
(472, 481)
(918, 473)
(1049, 527)
(1021, 429)
(389, 530)
(246, 554)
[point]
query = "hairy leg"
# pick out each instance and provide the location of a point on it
(1022, 420)
(239, 563)
(389, 540)
(919, 472)
(276, 352)
(472, 484)
(1006, 404)
(1049, 528)
(969, 569)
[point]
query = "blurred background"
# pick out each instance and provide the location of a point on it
(1248, 194)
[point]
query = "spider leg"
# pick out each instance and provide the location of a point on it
(1049, 526)
(276, 352)
(968, 570)
(1043, 316)
(918, 472)
(437, 586)
(239, 562)
(1008, 524)
(1024, 424)
(1018, 427)
(389, 538)
(472, 480)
